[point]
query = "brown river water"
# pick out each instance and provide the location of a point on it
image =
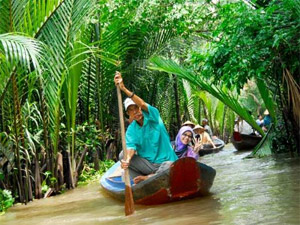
(245, 191)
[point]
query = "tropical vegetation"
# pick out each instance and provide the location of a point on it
(190, 59)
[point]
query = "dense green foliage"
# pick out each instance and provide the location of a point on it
(252, 44)
(6, 200)
(90, 174)
(262, 44)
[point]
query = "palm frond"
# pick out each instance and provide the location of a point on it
(189, 99)
(219, 116)
(55, 33)
(294, 4)
(223, 95)
(21, 49)
(265, 95)
(83, 11)
(293, 90)
(29, 16)
(18, 51)
(155, 42)
(5, 20)
(264, 146)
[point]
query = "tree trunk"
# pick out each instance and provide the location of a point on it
(68, 174)
(177, 102)
(43, 110)
(79, 165)
(37, 184)
(96, 160)
(17, 148)
(59, 171)
(99, 79)
(223, 123)
(199, 113)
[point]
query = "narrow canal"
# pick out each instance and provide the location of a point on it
(245, 191)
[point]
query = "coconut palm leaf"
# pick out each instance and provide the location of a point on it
(215, 110)
(17, 50)
(21, 49)
(293, 90)
(5, 24)
(295, 4)
(38, 18)
(59, 32)
(264, 146)
(31, 15)
(26, 16)
(265, 95)
(228, 99)
(55, 33)
(87, 90)
(189, 99)
(219, 117)
(208, 103)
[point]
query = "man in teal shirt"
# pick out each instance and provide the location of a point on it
(149, 150)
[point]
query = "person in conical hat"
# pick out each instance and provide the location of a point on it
(204, 137)
(267, 120)
(197, 134)
(188, 123)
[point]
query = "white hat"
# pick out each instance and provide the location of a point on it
(266, 112)
(198, 127)
(186, 123)
(128, 102)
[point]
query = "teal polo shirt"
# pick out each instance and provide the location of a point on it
(150, 141)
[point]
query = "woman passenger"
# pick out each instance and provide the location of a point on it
(182, 143)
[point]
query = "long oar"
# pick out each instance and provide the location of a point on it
(129, 204)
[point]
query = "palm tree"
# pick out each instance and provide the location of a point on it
(19, 54)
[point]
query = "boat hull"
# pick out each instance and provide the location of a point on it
(208, 149)
(245, 142)
(186, 178)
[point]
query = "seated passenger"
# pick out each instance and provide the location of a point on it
(204, 138)
(267, 121)
(182, 141)
(243, 127)
(260, 120)
(207, 127)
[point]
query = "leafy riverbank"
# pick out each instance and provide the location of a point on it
(88, 175)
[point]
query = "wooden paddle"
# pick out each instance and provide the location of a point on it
(129, 204)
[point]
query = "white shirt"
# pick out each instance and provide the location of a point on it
(243, 127)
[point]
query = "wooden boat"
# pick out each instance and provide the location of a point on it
(208, 148)
(186, 178)
(244, 141)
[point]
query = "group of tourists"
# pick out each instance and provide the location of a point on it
(264, 121)
(198, 137)
(243, 127)
(149, 150)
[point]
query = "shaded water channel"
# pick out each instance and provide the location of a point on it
(245, 191)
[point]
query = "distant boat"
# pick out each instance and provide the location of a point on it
(186, 178)
(245, 141)
(208, 148)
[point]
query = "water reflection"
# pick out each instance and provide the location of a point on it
(245, 191)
